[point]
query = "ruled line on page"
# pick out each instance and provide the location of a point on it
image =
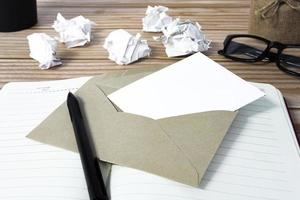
(233, 132)
(243, 175)
(44, 91)
(36, 168)
(252, 151)
(252, 143)
(21, 145)
(241, 121)
(244, 114)
(154, 196)
(171, 196)
(248, 167)
(247, 158)
(44, 197)
(251, 129)
(48, 186)
(37, 159)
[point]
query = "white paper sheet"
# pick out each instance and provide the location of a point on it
(183, 38)
(43, 49)
(124, 48)
(156, 19)
(74, 32)
(192, 85)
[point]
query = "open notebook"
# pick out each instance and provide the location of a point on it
(258, 159)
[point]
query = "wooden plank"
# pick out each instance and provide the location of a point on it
(144, 3)
(132, 17)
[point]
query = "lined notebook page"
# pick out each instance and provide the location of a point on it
(30, 170)
(258, 160)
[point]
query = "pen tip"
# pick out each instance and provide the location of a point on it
(70, 95)
(71, 98)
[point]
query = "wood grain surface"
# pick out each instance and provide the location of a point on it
(218, 18)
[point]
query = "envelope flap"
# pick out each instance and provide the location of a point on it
(198, 135)
(119, 79)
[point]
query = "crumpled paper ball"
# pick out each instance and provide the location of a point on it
(183, 38)
(43, 49)
(74, 32)
(124, 48)
(156, 19)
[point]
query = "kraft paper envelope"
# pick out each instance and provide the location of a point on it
(179, 148)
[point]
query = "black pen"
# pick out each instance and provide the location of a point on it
(89, 160)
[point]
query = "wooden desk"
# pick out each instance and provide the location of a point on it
(217, 17)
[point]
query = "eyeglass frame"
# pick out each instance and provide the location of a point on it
(273, 57)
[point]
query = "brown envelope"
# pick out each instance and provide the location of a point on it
(179, 148)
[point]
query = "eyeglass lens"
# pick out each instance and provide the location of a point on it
(246, 48)
(290, 59)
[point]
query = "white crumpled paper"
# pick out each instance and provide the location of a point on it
(124, 48)
(74, 32)
(43, 49)
(183, 38)
(156, 19)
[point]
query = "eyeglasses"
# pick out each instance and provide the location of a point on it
(251, 48)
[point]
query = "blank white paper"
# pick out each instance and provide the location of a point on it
(194, 84)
